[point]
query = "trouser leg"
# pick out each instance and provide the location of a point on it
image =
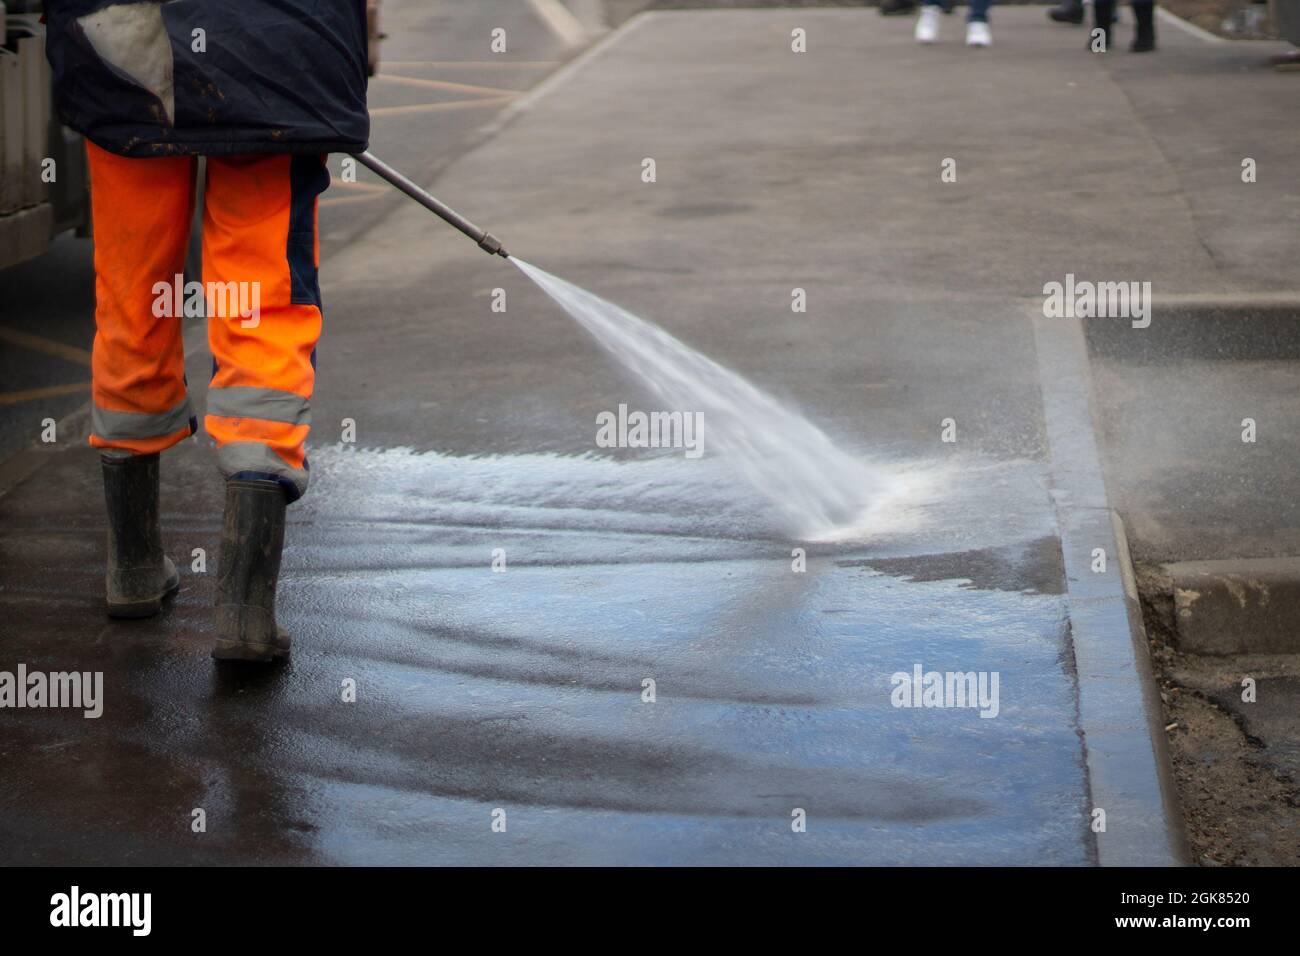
(260, 256)
(141, 210)
(1103, 12)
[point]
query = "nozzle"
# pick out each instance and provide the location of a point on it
(492, 246)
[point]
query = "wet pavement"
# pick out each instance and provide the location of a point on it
(523, 690)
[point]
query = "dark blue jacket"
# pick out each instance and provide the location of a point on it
(277, 76)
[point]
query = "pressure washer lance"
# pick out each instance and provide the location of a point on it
(486, 241)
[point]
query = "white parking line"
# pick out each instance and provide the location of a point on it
(560, 21)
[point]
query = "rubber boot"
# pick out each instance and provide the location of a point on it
(1103, 13)
(1069, 11)
(252, 537)
(1145, 14)
(138, 575)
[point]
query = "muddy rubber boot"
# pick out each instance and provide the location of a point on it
(252, 537)
(1103, 16)
(138, 576)
(1145, 40)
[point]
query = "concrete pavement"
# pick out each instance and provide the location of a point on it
(523, 691)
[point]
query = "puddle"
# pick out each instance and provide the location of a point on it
(1035, 567)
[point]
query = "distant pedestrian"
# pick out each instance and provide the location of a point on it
(1144, 12)
(977, 22)
(1067, 11)
(892, 7)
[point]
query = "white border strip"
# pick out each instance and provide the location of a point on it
(1175, 20)
(560, 21)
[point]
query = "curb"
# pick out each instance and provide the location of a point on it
(1237, 606)
(1120, 718)
(1174, 20)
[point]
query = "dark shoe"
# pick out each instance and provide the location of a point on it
(139, 576)
(1103, 14)
(1070, 11)
(890, 7)
(252, 537)
(1145, 39)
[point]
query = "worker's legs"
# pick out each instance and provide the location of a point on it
(141, 210)
(260, 255)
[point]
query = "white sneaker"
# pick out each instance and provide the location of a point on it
(927, 24)
(977, 34)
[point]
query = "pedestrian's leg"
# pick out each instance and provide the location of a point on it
(889, 7)
(141, 209)
(977, 24)
(1144, 11)
(260, 254)
(1103, 12)
(927, 23)
(1067, 11)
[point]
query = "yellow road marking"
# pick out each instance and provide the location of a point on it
(13, 398)
(40, 344)
(447, 85)
(446, 107)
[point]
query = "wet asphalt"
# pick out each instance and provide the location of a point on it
(523, 690)
(432, 694)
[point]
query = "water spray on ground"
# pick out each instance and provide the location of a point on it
(821, 489)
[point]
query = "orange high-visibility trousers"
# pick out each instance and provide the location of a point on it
(260, 257)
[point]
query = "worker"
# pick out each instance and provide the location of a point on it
(264, 90)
